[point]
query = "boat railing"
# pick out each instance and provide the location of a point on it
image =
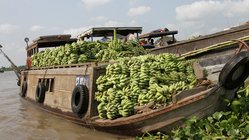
(87, 64)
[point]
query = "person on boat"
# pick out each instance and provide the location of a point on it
(29, 61)
(143, 42)
(105, 38)
(151, 40)
(161, 42)
(121, 37)
(131, 37)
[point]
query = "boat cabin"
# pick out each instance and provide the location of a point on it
(111, 32)
(158, 38)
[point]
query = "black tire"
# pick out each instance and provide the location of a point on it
(80, 99)
(235, 71)
(18, 82)
(24, 89)
(40, 93)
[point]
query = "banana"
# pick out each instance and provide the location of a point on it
(141, 80)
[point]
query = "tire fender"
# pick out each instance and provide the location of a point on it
(80, 100)
(235, 71)
(40, 93)
(24, 89)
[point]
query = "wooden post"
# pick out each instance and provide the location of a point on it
(115, 35)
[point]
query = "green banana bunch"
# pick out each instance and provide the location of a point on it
(112, 110)
(141, 80)
(82, 51)
(102, 110)
(127, 108)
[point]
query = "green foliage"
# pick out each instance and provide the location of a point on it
(230, 125)
(241, 103)
(221, 125)
(141, 80)
(157, 136)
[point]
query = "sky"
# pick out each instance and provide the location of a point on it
(34, 18)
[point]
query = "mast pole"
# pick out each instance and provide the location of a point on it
(14, 67)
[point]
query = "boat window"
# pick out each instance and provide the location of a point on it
(51, 85)
(48, 82)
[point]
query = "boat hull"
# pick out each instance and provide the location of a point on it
(167, 118)
(201, 103)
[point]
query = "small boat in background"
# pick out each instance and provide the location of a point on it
(1, 71)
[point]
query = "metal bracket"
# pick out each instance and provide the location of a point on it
(242, 44)
(84, 80)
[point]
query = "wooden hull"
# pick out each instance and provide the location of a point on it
(200, 105)
(199, 102)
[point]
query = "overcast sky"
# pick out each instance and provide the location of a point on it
(32, 18)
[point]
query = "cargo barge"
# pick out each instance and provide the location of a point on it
(69, 91)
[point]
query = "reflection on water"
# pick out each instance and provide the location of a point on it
(20, 120)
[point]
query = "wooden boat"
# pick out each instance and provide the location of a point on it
(52, 88)
(211, 49)
(57, 95)
(69, 91)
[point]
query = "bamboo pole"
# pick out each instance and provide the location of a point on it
(225, 44)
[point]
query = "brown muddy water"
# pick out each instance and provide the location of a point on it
(19, 120)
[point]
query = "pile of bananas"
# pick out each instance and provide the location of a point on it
(140, 80)
(118, 49)
(82, 51)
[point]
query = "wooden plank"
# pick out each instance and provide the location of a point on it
(187, 93)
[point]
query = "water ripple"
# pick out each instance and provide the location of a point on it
(20, 121)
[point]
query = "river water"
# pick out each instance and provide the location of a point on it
(19, 120)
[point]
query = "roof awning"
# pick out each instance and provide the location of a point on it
(157, 34)
(51, 41)
(101, 31)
